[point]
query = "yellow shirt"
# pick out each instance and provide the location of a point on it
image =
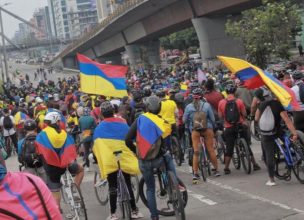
(72, 119)
(167, 112)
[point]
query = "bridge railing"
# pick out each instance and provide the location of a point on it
(121, 9)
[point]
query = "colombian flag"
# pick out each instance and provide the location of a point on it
(149, 128)
(184, 87)
(57, 149)
(109, 136)
(253, 77)
(19, 118)
(102, 79)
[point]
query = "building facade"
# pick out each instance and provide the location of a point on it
(106, 7)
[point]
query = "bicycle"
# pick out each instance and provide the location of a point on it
(9, 148)
(168, 193)
(293, 157)
(72, 196)
(241, 155)
(219, 145)
(176, 150)
(101, 187)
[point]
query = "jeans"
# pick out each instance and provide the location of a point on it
(146, 168)
(269, 146)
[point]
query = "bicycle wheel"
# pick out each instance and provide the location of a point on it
(135, 186)
(176, 150)
(220, 147)
(162, 197)
(126, 210)
(281, 169)
(236, 158)
(176, 197)
(78, 205)
(245, 155)
(254, 131)
(63, 191)
(298, 147)
(101, 189)
(204, 165)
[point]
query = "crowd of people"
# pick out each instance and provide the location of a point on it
(44, 123)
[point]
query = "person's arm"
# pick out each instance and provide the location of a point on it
(211, 115)
(254, 106)
(219, 111)
(289, 125)
(257, 115)
(131, 136)
(186, 115)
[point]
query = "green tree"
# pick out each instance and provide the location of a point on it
(267, 31)
(181, 40)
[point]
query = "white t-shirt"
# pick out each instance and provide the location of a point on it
(8, 132)
(296, 91)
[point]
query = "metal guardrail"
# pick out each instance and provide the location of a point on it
(119, 11)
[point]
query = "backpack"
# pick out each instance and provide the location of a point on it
(28, 154)
(301, 92)
(232, 113)
(7, 123)
(267, 122)
(199, 118)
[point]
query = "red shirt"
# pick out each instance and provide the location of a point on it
(240, 105)
(213, 98)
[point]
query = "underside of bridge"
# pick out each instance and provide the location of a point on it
(142, 27)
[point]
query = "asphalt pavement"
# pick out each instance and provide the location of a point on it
(237, 196)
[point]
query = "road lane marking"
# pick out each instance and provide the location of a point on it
(201, 198)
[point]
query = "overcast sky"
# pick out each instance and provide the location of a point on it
(22, 8)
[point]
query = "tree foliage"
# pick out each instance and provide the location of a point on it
(180, 40)
(267, 30)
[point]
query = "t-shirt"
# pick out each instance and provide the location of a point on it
(240, 105)
(167, 112)
(214, 98)
(276, 108)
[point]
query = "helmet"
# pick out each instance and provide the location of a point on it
(52, 117)
(153, 104)
(161, 93)
(297, 75)
(86, 111)
(147, 91)
(38, 100)
(179, 98)
(107, 108)
(230, 88)
(197, 92)
(30, 125)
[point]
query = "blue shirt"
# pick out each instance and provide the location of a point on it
(189, 113)
(20, 144)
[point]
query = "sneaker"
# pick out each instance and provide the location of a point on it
(256, 167)
(227, 171)
(195, 177)
(112, 217)
(136, 214)
(270, 183)
(216, 173)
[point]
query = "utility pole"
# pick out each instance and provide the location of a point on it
(3, 47)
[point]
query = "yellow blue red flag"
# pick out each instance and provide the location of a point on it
(253, 77)
(102, 79)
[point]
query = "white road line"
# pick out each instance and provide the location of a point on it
(201, 198)
(249, 195)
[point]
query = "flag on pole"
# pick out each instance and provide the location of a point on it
(201, 76)
(102, 79)
(253, 77)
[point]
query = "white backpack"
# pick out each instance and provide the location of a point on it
(267, 122)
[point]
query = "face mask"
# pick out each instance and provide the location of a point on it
(3, 172)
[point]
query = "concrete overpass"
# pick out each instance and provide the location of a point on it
(148, 20)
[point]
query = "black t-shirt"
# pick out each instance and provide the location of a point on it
(276, 108)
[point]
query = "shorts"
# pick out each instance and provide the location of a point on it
(54, 175)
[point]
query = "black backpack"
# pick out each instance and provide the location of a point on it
(232, 114)
(301, 92)
(7, 122)
(28, 155)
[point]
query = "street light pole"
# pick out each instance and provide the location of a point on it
(3, 47)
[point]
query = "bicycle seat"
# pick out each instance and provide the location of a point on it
(117, 153)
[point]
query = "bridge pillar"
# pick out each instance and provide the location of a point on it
(69, 62)
(134, 54)
(153, 50)
(213, 39)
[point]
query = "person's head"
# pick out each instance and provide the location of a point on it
(297, 75)
(52, 119)
(147, 91)
(161, 93)
(230, 88)
(137, 95)
(30, 125)
(209, 85)
(179, 98)
(6, 111)
(107, 109)
(86, 111)
(153, 104)
(197, 94)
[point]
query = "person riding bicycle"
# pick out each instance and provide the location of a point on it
(58, 153)
(27, 154)
(25, 196)
(199, 119)
(7, 123)
(269, 115)
(233, 111)
(108, 138)
(150, 130)
(298, 89)
(86, 126)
